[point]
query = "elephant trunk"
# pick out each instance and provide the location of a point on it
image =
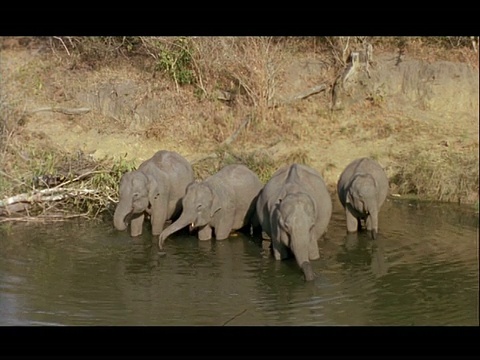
(373, 226)
(299, 244)
(308, 271)
(120, 216)
(183, 221)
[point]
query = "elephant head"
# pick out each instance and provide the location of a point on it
(362, 202)
(136, 196)
(293, 219)
(199, 204)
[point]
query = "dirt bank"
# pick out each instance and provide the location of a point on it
(415, 115)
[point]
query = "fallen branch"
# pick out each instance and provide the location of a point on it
(53, 194)
(43, 218)
(304, 95)
(232, 137)
(67, 111)
(81, 176)
(14, 208)
(234, 317)
(64, 46)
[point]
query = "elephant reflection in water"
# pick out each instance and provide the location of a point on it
(359, 252)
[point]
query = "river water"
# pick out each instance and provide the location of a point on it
(422, 270)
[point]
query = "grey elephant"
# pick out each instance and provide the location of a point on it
(155, 188)
(362, 189)
(224, 202)
(294, 209)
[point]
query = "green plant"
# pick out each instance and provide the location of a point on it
(175, 59)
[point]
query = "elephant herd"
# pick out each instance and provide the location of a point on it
(293, 208)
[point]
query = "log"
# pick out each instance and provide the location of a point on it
(45, 195)
(14, 208)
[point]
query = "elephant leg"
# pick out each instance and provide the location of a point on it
(313, 252)
(158, 218)
(265, 236)
(359, 227)
(223, 230)
(205, 233)
(352, 222)
(136, 225)
(280, 251)
(368, 223)
(222, 234)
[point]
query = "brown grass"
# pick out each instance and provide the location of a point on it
(442, 175)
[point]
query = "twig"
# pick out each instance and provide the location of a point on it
(234, 317)
(79, 177)
(11, 178)
(232, 137)
(67, 111)
(304, 95)
(473, 43)
(66, 49)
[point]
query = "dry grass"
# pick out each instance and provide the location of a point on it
(442, 175)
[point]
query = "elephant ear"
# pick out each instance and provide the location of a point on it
(153, 192)
(349, 199)
(216, 204)
(276, 223)
(278, 215)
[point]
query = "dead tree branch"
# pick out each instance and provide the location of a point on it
(234, 317)
(67, 111)
(43, 218)
(315, 90)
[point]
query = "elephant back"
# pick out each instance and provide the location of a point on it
(175, 173)
(239, 187)
(172, 163)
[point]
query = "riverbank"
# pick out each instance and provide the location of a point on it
(78, 112)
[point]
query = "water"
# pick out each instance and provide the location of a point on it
(423, 270)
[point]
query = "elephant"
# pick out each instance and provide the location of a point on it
(225, 201)
(294, 209)
(362, 189)
(155, 188)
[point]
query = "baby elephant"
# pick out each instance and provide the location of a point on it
(224, 201)
(294, 209)
(155, 188)
(362, 189)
